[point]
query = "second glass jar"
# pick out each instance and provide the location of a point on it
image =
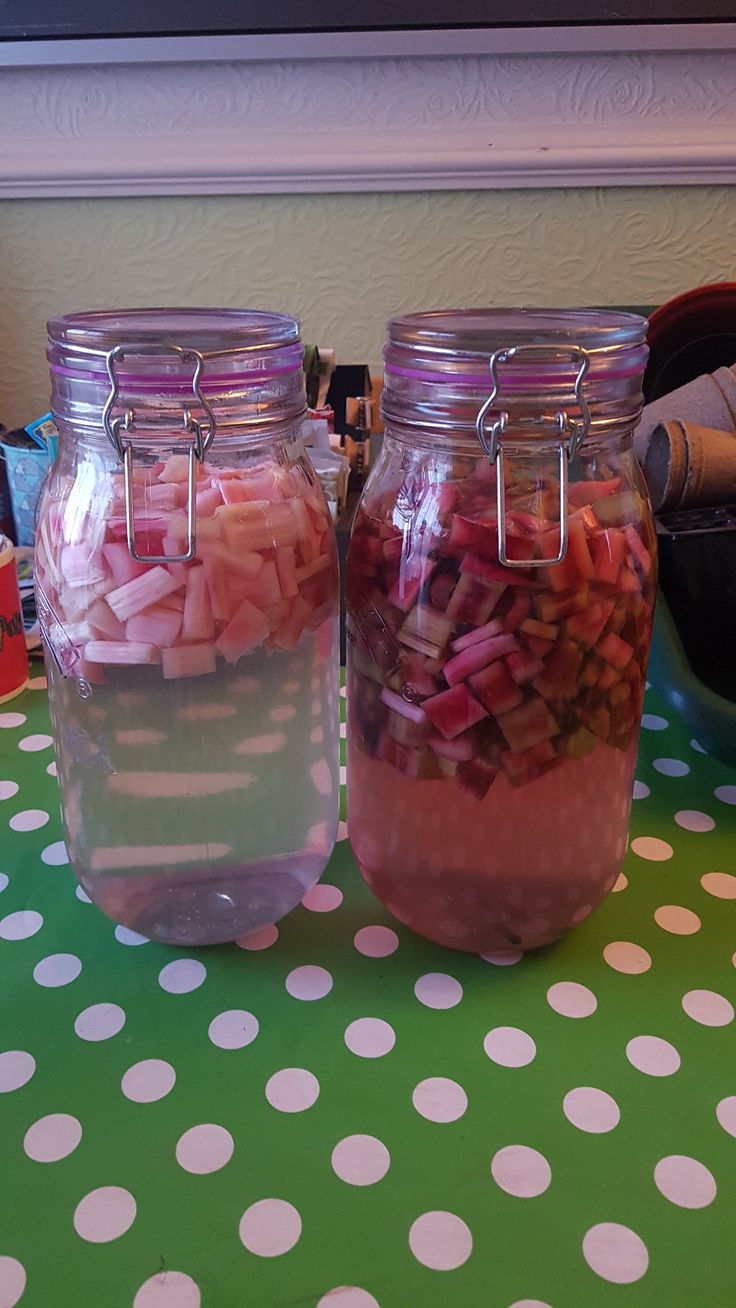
(495, 694)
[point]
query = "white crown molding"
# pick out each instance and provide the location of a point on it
(368, 124)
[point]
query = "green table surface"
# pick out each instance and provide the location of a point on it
(396, 1125)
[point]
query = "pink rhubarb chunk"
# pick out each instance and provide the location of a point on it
(247, 629)
(453, 711)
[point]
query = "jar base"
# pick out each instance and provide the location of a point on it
(209, 909)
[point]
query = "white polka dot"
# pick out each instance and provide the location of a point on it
(4, 881)
(204, 1149)
(12, 719)
(708, 1008)
(684, 1181)
(726, 1114)
(259, 940)
(20, 925)
(322, 898)
(342, 831)
(309, 982)
(690, 819)
(615, 1253)
(52, 1138)
(641, 790)
(100, 1022)
(12, 1281)
(29, 820)
(570, 999)
(32, 744)
(439, 1099)
(521, 1171)
(620, 883)
(677, 920)
(438, 990)
(652, 722)
(52, 769)
(168, 1290)
(16, 1069)
(726, 794)
(440, 1241)
(591, 1110)
(360, 1160)
(8, 789)
(348, 1296)
(343, 691)
(321, 777)
(623, 956)
(125, 936)
(104, 1214)
(282, 713)
(38, 683)
(292, 1090)
(509, 1046)
(671, 767)
(376, 941)
(343, 730)
(57, 970)
(82, 895)
(503, 957)
(148, 1081)
(233, 1029)
(696, 745)
(370, 1037)
(525, 1303)
(652, 848)
(653, 1056)
(182, 976)
(343, 776)
(55, 855)
(270, 1227)
(722, 885)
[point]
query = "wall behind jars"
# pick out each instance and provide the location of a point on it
(344, 263)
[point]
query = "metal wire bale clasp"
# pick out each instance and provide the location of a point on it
(571, 435)
(202, 438)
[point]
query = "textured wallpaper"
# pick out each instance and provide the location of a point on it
(344, 263)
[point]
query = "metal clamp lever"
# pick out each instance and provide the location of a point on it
(202, 439)
(570, 434)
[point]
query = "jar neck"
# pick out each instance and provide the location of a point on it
(94, 442)
(615, 439)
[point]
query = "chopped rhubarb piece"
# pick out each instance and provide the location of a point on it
(406, 730)
(403, 595)
(289, 633)
(628, 582)
(560, 676)
(586, 518)
(246, 564)
(176, 468)
(121, 563)
(588, 492)
(523, 666)
(544, 630)
(414, 674)
(539, 647)
(528, 725)
(453, 711)
(103, 621)
(608, 677)
(476, 777)
(141, 592)
(614, 650)
(286, 569)
(517, 613)
(478, 656)
(642, 557)
(496, 572)
(587, 627)
(308, 570)
(590, 673)
(495, 689)
(121, 651)
(474, 599)
(597, 719)
(550, 608)
(189, 661)
(615, 510)
(526, 765)
(198, 623)
(207, 501)
(460, 750)
(399, 705)
(577, 565)
(577, 744)
(393, 549)
(607, 549)
(494, 628)
(417, 764)
(247, 628)
(80, 566)
(263, 590)
(426, 631)
(475, 537)
(155, 626)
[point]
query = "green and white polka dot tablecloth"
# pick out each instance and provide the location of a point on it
(340, 1115)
